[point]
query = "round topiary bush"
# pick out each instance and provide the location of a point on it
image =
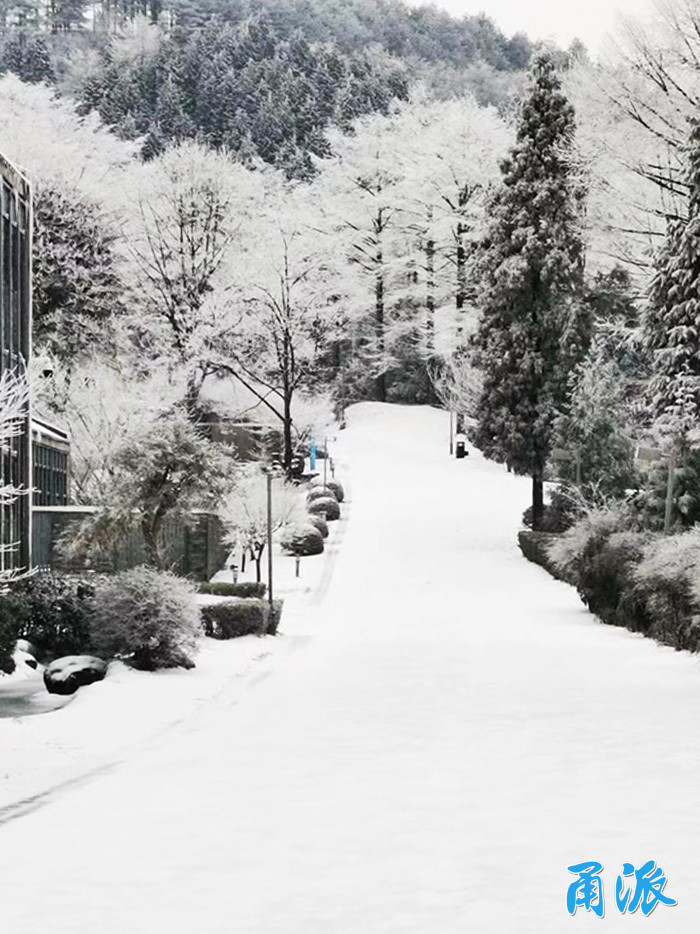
(335, 486)
(146, 617)
(319, 492)
(327, 504)
(302, 540)
(319, 523)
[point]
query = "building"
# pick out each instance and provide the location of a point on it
(51, 463)
(15, 351)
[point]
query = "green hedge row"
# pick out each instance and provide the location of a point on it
(244, 617)
(645, 582)
(226, 589)
(534, 546)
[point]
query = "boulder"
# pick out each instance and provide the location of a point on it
(66, 675)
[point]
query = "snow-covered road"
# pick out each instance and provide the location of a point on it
(451, 731)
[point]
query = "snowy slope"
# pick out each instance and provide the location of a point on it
(450, 732)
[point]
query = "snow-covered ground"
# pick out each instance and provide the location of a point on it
(449, 731)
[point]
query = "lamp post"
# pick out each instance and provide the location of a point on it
(451, 434)
(668, 512)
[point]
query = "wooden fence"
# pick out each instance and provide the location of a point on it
(194, 548)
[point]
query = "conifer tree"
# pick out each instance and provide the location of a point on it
(672, 316)
(534, 327)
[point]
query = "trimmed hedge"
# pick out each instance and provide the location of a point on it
(320, 492)
(327, 505)
(535, 547)
(226, 589)
(334, 486)
(302, 540)
(644, 582)
(241, 617)
(319, 523)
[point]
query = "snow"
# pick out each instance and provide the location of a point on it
(442, 732)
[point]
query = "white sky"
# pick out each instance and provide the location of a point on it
(561, 20)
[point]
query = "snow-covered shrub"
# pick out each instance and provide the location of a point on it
(325, 504)
(52, 612)
(571, 550)
(335, 486)
(8, 637)
(319, 523)
(668, 579)
(650, 503)
(535, 547)
(598, 555)
(320, 492)
(302, 540)
(147, 617)
(233, 618)
(229, 589)
(559, 513)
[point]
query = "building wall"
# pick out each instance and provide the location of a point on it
(15, 351)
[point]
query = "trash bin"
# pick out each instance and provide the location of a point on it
(460, 449)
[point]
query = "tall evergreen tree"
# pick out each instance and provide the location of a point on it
(534, 326)
(26, 53)
(672, 315)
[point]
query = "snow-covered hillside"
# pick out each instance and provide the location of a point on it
(449, 733)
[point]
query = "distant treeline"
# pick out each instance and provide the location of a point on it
(423, 32)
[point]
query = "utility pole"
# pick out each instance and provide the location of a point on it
(269, 544)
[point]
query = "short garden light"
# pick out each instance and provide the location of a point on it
(233, 568)
(297, 561)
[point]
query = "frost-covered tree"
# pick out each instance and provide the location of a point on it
(190, 202)
(100, 401)
(595, 430)
(284, 312)
(244, 512)
(26, 54)
(534, 328)
(361, 189)
(162, 467)
(77, 286)
(672, 315)
(44, 135)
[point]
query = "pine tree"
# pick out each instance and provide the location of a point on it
(672, 316)
(27, 55)
(77, 287)
(534, 327)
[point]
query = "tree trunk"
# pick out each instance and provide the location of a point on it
(150, 529)
(259, 549)
(430, 291)
(537, 502)
(288, 445)
(461, 271)
(380, 382)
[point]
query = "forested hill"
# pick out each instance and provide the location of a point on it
(262, 78)
(423, 32)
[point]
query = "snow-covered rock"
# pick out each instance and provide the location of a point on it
(66, 675)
